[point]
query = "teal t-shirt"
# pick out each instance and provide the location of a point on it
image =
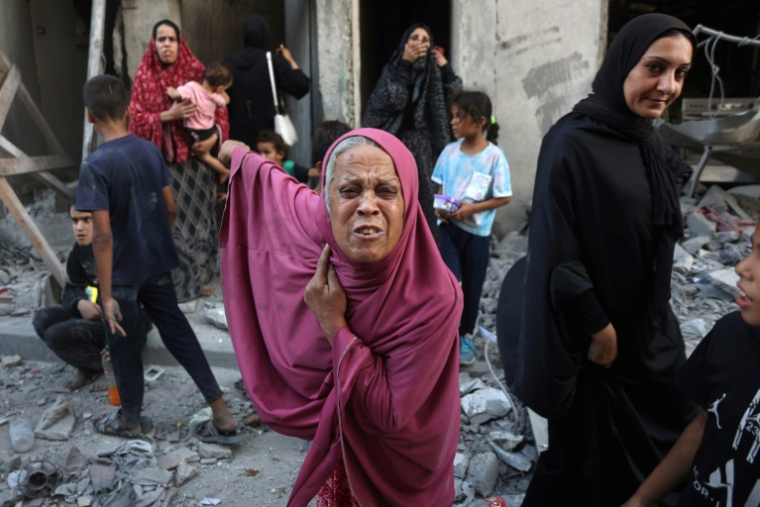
(474, 178)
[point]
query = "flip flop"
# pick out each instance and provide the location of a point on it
(111, 425)
(214, 435)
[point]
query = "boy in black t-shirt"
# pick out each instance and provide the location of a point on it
(718, 454)
(126, 185)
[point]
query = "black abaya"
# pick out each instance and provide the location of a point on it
(591, 258)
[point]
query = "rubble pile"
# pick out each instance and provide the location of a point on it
(92, 469)
(719, 230)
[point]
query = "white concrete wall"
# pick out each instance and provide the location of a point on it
(139, 18)
(337, 54)
(535, 60)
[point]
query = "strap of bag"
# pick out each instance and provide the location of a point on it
(271, 80)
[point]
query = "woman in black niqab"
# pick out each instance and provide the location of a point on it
(409, 101)
(604, 222)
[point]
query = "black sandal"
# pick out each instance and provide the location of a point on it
(111, 425)
(207, 432)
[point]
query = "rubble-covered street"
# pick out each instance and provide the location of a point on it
(496, 451)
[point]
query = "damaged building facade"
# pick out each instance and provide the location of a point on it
(534, 59)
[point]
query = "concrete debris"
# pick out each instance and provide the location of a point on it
(516, 460)
(11, 361)
(185, 471)
(485, 404)
(483, 472)
(461, 462)
(699, 225)
(726, 279)
(506, 439)
(468, 384)
(692, 245)
(57, 423)
(213, 451)
(695, 328)
(187, 455)
(682, 260)
(217, 317)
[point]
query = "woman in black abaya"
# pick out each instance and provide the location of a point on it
(588, 337)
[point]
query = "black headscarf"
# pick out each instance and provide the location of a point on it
(427, 98)
(256, 33)
(607, 104)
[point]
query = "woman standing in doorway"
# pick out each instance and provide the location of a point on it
(409, 101)
(599, 347)
(168, 62)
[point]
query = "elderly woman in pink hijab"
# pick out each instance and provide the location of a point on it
(344, 320)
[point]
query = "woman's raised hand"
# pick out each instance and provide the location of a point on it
(413, 51)
(325, 296)
(178, 111)
(285, 53)
(440, 60)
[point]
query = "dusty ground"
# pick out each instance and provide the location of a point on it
(271, 460)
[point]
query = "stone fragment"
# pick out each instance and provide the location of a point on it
(169, 461)
(483, 472)
(485, 404)
(516, 460)
(682, 260)
(208, 461)
(725, 279)
(187, 455)
(727, 237)
(74, 460)
(713, 246)
(57, 422)
(184, 473)
(469, 385)
(694, 327)
(217, 317)
(692, 245)
(461, 461)
(84, 501)
(11, 361)
(206, 450)
(699, 225)
(506, 439)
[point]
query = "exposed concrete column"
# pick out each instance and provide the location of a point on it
(139, 18)
(535, 60)
(338, 58)
(297, 39)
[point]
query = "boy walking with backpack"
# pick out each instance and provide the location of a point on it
(126, 185)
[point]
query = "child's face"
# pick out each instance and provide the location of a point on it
(463, 124)
(749, 283)
(268, 151)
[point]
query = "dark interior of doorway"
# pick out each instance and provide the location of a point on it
(739, 66)
(383, 22)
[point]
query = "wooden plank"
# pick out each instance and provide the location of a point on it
(29, 228)
(37, 116)
(13, 166)
(8, 92)
(11, 149)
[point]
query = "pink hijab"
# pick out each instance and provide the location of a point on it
(384, 398)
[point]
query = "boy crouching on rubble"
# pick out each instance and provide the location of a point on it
(126, 185)
(719, 452)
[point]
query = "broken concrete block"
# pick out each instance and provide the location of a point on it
(184, 473)
(169, 461)
(469, 385)
(74, 460)
(699, 225)
(187, 455)
(713, 246)
(482, 473)
(213, 451)
(208, 461)
(84, 501)
(692, 245)
(57, 422)
(11, 361)
(694, 327)
(217, 317)
(682, 260)
(461, 461)
(727, 237)
(513, 242)
(506, 439)
(725, 279)
(485, 404)
(516, 460)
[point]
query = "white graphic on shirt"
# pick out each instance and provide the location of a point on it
(719, 488)
(750, 423)
(714, 409)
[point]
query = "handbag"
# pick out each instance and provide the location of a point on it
(282, 123)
